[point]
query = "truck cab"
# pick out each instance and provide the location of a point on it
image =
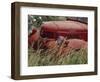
(71, 29)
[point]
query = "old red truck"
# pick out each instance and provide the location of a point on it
(52, 29)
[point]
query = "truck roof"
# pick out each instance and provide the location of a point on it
(63, 25)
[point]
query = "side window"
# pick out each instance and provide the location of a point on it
(46, 34)
(49, 34)
(70, 36)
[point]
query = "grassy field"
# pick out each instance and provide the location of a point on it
(45, 58)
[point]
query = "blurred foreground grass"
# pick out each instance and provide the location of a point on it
(48, 57)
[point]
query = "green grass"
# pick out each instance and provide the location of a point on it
(44, 58)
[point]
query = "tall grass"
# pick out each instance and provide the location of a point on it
(44, 58)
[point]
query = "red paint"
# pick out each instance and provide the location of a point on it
(34, 36)
(71, 29)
